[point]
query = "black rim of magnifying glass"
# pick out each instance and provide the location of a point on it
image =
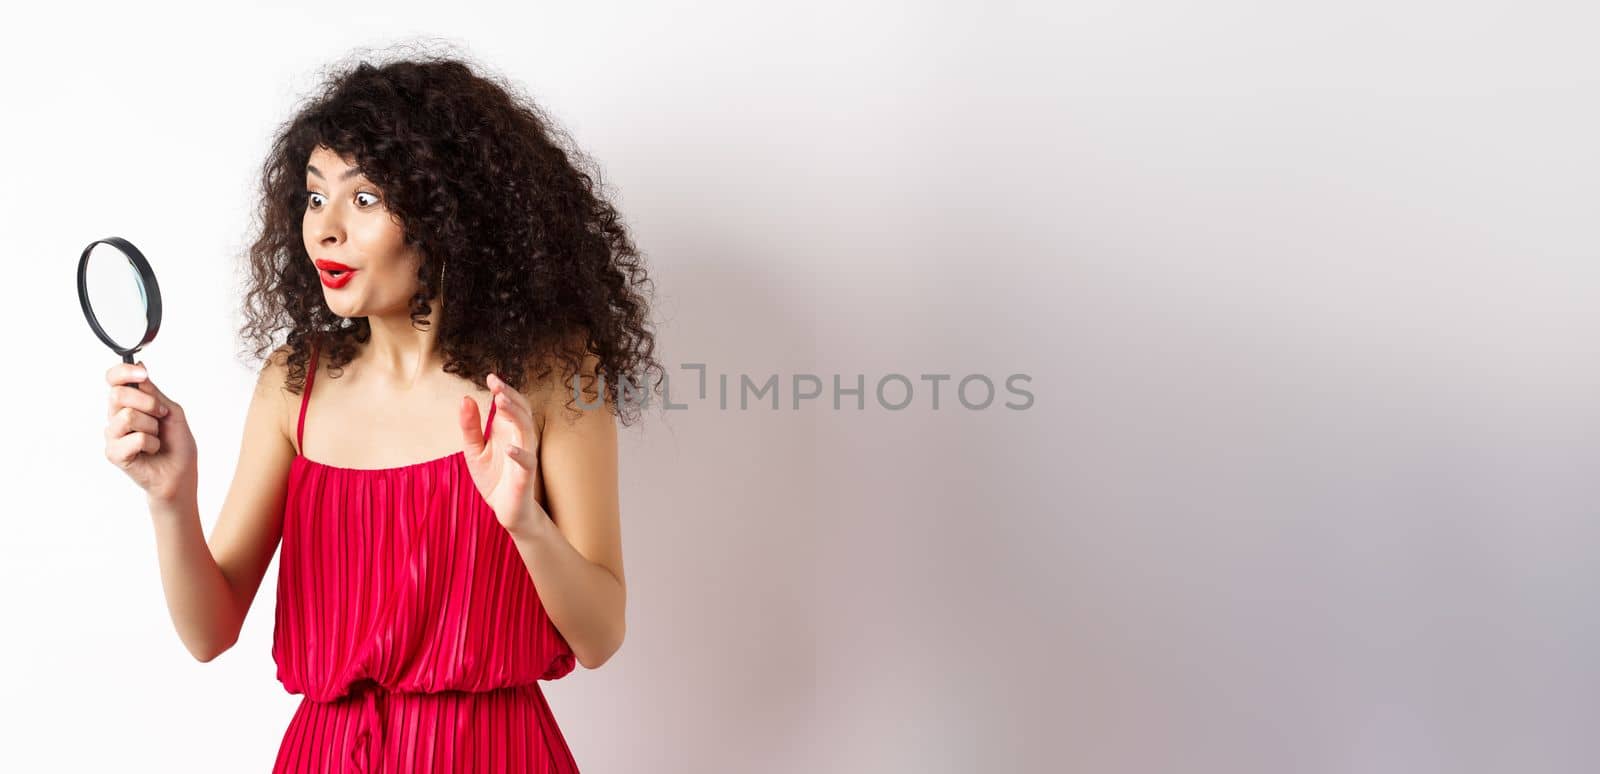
(147, 287)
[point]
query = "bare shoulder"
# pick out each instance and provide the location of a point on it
(557, 395)
(271, 387)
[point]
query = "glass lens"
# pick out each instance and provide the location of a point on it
(116, 294)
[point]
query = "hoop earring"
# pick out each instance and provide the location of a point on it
(441, 280)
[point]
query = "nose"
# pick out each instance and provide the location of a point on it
(329, 234)
(326, 226)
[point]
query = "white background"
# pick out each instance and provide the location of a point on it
(1306, 293)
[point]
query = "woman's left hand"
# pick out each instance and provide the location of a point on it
(505, 467)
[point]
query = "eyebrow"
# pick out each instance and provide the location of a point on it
(349, 173)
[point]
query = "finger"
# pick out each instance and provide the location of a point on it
(120, 427)
(140, 376)
(515, 411)
(124, 449)
(155, 389)
(526, 461)
(471, 425)
(498, 385)
(138, 401)
(123, 373)
(127, 421)
(528, 428)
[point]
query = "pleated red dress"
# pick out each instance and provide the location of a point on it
(408, 621)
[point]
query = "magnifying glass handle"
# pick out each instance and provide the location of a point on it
(128, 358)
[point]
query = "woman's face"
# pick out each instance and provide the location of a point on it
(347, 222)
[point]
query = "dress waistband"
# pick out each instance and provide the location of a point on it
(368, 745)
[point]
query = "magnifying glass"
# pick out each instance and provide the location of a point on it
(119, 295)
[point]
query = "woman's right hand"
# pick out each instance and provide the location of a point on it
(147, 435)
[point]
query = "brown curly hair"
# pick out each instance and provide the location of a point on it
(542, 271)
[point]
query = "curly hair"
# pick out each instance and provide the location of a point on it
(542, 270)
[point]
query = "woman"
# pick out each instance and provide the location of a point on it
(427, 249)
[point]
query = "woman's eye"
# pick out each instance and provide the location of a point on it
(313, 199)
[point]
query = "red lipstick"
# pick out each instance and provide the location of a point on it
(334, 275)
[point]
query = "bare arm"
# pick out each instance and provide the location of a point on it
(209, 588)
(575, 555)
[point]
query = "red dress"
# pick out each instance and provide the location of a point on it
(408, 621)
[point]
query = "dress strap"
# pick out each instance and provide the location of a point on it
(488, 425)
(305, 397)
